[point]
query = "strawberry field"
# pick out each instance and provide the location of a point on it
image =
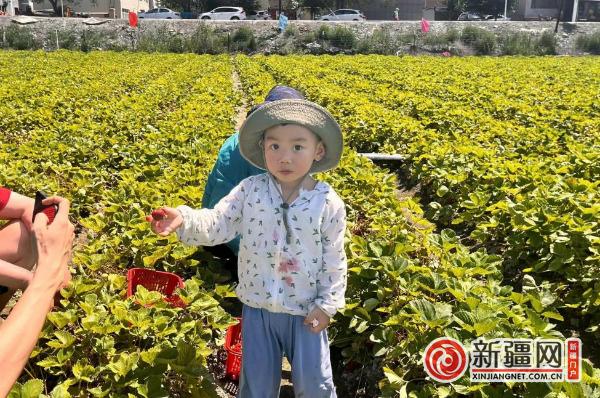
(488, 228)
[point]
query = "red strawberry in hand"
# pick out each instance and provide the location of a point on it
(157, 215)
(50, 212)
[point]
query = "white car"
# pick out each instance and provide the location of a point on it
(159, 13)
(345, 14)
(225, 13)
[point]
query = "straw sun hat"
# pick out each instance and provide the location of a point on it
(291, 111)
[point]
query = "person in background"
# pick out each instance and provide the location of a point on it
(20, 331)
(283, 22)
(397, 14)
(229, 170)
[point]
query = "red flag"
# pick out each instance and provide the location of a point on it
(133, 19)
(424, 25)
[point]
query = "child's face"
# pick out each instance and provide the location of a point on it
(290, 151)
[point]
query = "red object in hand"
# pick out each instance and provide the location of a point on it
(157, 215)
(50, 212)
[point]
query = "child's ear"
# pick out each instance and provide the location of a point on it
(320, 153)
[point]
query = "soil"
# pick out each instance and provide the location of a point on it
(241, 111)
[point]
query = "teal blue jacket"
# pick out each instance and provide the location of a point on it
(229, 170)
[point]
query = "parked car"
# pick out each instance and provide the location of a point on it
(259, 15)
(225, 13)
(345, 14)
(498, 17)
(159, 13)
(471, 16)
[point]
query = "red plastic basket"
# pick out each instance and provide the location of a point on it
(233, 346)
(163, 282)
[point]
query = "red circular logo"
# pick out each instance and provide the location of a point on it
(445, 360)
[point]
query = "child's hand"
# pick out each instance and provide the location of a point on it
(165, 220)
(317, 320)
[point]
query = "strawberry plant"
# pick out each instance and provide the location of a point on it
(500, 238)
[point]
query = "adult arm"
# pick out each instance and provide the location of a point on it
(14, 206)
(13, 276)
(20, 331)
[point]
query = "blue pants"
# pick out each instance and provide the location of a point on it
(266, 337)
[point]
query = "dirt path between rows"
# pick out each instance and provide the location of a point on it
(227, 388)
(243, 108)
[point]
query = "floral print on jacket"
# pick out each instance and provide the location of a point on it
(279, 277)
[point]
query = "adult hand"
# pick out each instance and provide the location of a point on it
(165, 220)
(317, 320)
(54, 244)
(22, 327)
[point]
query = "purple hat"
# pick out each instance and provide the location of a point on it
(278, 93)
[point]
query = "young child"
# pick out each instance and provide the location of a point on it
(292, 264)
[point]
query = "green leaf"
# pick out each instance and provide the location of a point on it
(392, 377)
(370, 304)
(376, 249)
(441, 191)
(482, 328)
(62, 390)
(186, 353)
(62, 319)
(83, 371)
(99, 392)
(433, 314)
(124, 364)
(553, 315)
(150, 355)
(32, 388)
(443, 391)
(65, 339)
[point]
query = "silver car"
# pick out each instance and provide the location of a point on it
(259, 15)
(225, 13)
(159, 13)
(344, 14)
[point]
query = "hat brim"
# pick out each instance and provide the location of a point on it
(292, 111)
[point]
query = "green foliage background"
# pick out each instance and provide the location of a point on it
(499, 240)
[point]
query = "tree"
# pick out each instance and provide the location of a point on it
(248, 5)
(186, 5)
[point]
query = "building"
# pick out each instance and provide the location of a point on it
(100, 8)
(538, 9)
(573, 10)
(588, 10)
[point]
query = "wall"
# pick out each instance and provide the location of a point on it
(98, 8)
(266, 31)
